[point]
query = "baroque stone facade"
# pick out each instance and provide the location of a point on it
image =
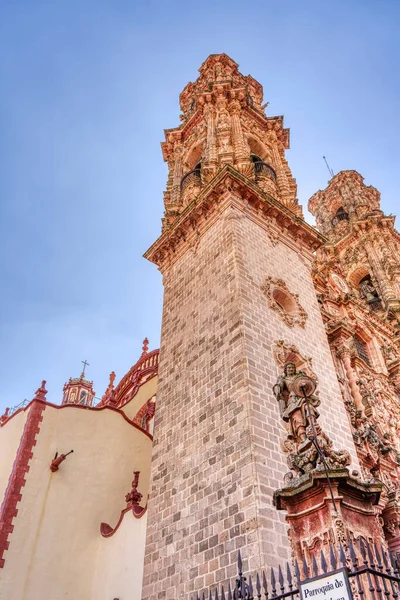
(357, 279)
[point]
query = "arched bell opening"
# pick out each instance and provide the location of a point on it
(341, 215)
(193, 176)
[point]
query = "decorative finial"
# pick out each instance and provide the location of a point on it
(112, 400)
(4, 416)
(107, 394)
(134, 496)
(85, 364)
(41, 392)
(145, 346)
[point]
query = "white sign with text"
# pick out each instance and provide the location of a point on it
(334, 586)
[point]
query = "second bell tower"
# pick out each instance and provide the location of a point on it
(239, 303)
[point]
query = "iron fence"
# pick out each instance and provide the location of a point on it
(373, 573)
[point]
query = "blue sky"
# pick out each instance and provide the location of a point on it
(87, 89)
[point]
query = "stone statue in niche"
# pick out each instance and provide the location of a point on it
(388, 353)
(308, 447)
(293, 408)
(366, 433)
(224, 121)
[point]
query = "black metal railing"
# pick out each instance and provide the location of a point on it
(192, 176)
(373, 573)
(263, 169)
(340, 216)
(17, 407)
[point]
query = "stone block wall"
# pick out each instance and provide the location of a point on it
(217, 456)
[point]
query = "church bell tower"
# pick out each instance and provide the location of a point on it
(357, 277)
(239, 303)
(79, 390)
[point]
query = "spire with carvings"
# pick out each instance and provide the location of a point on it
(224, 123)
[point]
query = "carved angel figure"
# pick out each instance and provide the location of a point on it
(293, 408)
(307, 446)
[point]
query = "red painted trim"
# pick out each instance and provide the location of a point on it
(23, 408)
(138, 511)
(147, 363)
(136, 386)
(81, 407)
(17, 479)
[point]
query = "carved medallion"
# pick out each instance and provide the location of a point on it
(339, 283)
(284, 302)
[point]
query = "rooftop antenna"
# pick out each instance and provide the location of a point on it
(331, 173)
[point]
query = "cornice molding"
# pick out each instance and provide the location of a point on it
(229, 187)
(359, 228)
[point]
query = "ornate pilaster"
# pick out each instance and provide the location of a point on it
(209, 166)
(224, 128)
(178, 171)
(341, 340)
(394, 373)
(283, 183)
(241, 149)
(385, 286)
(286, 194)
(391, 519)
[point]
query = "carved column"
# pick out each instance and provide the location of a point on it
(177, 177)
(210, 158)
(211, 148)
(343, 353)
(394, 373)
(283, 184)
(392, 303)
(390, 244)
(384, 284)
(391, 518)
(237, 133)
(225, 150)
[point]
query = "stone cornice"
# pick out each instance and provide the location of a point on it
(359, 228)
(382, 326)
(341, 477)
(196, 217)
(182, 131)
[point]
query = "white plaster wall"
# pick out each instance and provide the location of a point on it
(119, 563)
(10, 437)
(57, 532)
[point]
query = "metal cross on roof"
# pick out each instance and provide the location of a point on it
(85, 364)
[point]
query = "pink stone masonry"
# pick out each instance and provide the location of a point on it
(217, 448)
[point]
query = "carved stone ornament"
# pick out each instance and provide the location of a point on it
(339, 283)
(284, 302)
(132, 499)
(307, 446)
(284, 352)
